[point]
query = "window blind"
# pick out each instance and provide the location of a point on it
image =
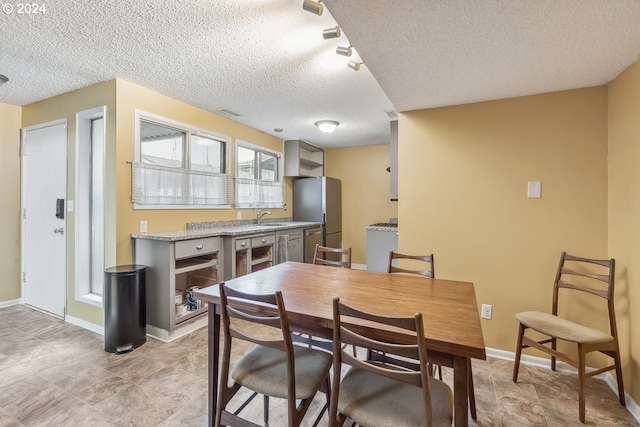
(160, 185)
(253, 193)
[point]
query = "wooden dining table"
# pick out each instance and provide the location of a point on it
(451, 319)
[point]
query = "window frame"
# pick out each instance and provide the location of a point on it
(260, 149)
(83, 286)
(190, 131)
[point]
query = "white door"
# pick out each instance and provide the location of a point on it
(44, 185)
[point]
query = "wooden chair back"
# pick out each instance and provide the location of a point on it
(333, 257)
(583, 275)
(344, 333)
(428, 271)
(260, 310)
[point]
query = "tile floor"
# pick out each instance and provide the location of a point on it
(55, 374)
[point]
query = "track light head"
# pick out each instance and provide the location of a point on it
(344, 51)
(313, 7)
(331, 33)
(354, 65)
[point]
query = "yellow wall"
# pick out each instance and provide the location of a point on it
(66, 106)
(463, 174)
(365, 192)
(131, 97)
(10, 206)
(624, 212)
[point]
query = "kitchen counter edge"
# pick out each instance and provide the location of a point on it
(174, 236)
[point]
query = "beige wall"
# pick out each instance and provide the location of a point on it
(10, 116)
(131, 97)
(365, 192)
(463, 182)
(624, 211)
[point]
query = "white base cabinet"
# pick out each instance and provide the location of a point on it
(379, 244)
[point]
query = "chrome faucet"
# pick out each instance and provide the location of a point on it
(261, 214)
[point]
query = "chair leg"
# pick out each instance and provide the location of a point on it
(516, 362)
(581, 380)
(553, 358)
(616, 358)
(472, 394)
(266, 410)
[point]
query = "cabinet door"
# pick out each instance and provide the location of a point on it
(296, 250)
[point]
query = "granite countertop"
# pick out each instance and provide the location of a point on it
(392, 225)
(194, 231)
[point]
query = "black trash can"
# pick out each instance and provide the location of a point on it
(125, 310)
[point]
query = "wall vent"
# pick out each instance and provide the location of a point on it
(229, 113)
(393, 114)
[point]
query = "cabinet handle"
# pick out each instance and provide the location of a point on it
(198, 247)
(243, 244)
(264, 240)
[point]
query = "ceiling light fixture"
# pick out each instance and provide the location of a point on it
(344, 51)
(355, 65)
(3, 79)
(331, 33)
(327, 126)
(313, 7)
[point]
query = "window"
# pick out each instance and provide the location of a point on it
(90, 206)
(179, 166)
(258, 180)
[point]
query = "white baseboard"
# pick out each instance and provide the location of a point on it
(358, 266)
(541, 362)
(98, 329)
(9, 303)
(180, 331)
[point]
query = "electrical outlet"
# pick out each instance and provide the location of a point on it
(143, 226)
(486, 311)
(239, 214)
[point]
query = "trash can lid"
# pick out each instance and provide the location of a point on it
(123, 269)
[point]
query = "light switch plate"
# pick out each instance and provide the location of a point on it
(533, 189)
(69, 205)
(143, 226)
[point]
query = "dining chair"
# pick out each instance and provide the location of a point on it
(424, 259)
(372, 394)
(321, 255)
(575, 276)
(274, 367)
(427, 269)
(344, 261)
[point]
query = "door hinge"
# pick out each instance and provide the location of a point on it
(24, 213)
(24, 277)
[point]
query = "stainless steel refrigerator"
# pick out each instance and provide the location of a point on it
(319, 200)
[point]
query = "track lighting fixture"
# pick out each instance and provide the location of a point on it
(327, 126)
(3, 79)
(331, 33)
(355, 65)
(313, 7)
(344, 51)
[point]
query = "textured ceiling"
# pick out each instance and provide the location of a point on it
(436, 53)
(267, 61)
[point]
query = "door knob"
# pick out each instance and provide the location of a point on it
(58, 230)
